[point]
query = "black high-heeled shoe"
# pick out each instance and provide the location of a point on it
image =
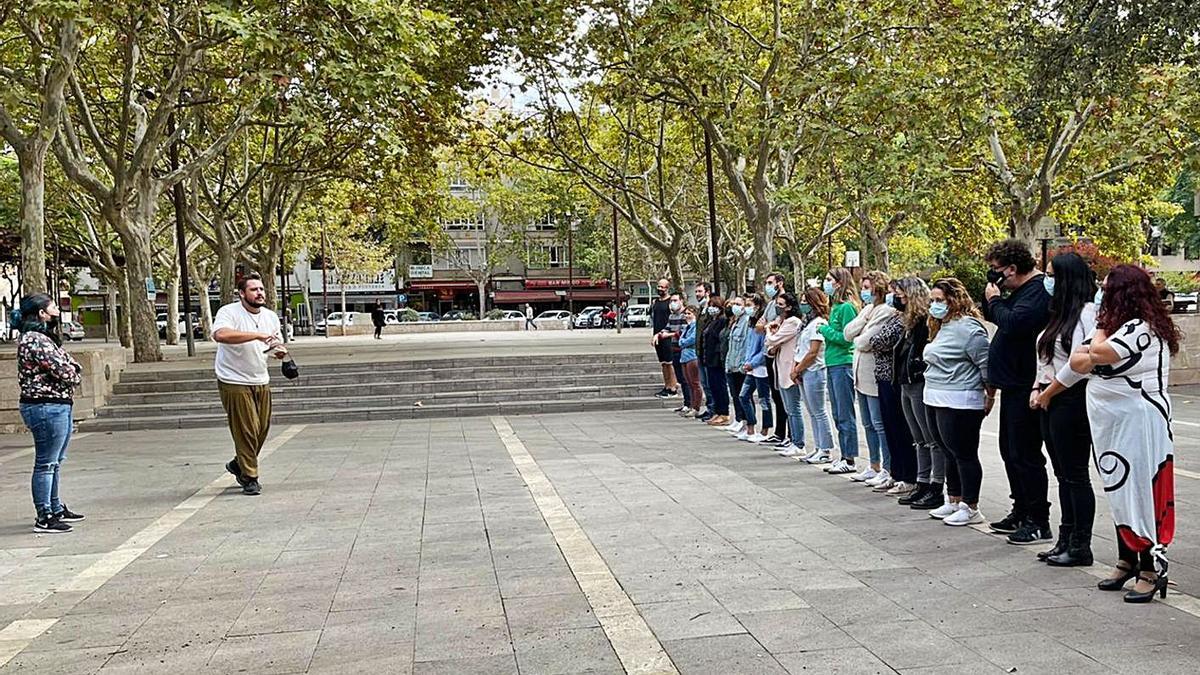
(1160, 587)
(1118, 583)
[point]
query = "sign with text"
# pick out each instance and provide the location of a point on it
(420, 271)
(566, 283)
(853, 259)
(354, 282)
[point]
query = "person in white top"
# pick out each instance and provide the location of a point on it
(877, 309)
(809, 371)
(246, 332)
(1061, 395)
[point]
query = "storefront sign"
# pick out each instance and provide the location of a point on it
(420, 271)
(355, 282)
(566, 283)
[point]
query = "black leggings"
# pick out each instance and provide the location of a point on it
(899, 440)
(1069, 443)
(958, 432)
(781, 421)
(736, 379)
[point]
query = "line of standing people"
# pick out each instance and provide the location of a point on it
(1077, 365)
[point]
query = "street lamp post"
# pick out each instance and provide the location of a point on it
(571, 270)
(712, 203)
(616, 268)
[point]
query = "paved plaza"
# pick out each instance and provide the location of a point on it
(633, 542)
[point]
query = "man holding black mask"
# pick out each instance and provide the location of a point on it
(1020, 317)
(660, 313)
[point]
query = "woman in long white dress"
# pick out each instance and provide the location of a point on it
(1129, 408)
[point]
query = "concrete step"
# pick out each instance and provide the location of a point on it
(204, 371)
(334, 406)
(283, 417)
(283, 390)
(382, 374)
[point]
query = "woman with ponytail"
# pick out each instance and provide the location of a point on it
(47, 376)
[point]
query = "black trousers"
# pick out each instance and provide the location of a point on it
(1069, 444)
(957, 432)
(1143, 561)
(736, 379)
(378, 331)
(1021, 450)
(899, 439)
(781, 421)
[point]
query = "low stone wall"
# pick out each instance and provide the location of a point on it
(102, 367)
(1185, 366)
(431, 327)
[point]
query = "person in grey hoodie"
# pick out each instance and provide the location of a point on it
(956, 361)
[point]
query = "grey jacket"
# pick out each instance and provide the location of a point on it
(957, 359)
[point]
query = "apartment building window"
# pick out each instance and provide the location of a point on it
(462, 258)
(460, 223)
(547, 256)
(544, 224)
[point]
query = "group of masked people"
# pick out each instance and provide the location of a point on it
(1077, 365)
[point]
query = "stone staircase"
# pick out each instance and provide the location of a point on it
(348, 392)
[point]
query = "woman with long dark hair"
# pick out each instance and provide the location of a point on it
(1129, 408)
(48, 376)
(714, 360)
(1061, 395)
(782, 334)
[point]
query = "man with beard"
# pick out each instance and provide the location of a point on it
(245, 332)
(660, 314)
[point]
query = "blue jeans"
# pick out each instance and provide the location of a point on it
(50, 424)
(705, 387)
(872, 421)
(763, 387)
(793, 406)
(812, 387)
(841, 399)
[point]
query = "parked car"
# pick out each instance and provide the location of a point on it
(429, 316)
(636, 316)
(551, 317)
(590, 317)
(334, 320)
(507, 315)
(197, 329)
(459, 315)
(73, 330)
(1183, 302)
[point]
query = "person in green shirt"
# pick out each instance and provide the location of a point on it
(839, 358)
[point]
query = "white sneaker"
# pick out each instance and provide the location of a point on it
(902, 489)
(756, 438)
(880, 478)
(737, 427)
(792, 451)
(864, 475)
(947, 509)
(841, 466)
(733, 426)
(883, 487)
(688, 414)
(742, 435)
(964, 516)
(819, 457)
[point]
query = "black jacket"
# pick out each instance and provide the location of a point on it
(1019, 319)
(908, 358)
(714, 346)
(377, 317)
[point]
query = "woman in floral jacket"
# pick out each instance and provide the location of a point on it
(47, 375)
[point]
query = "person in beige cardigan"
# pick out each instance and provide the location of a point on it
(876, 311)
(781, 337)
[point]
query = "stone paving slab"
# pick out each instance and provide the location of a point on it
(416, 547)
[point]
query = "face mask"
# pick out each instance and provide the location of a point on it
(676, 306)
(738, 310)
(995, 277)
(1099, 296)
(889, 299)
(827, 287)
(939, 310)
(700, 299)
(866, 296)
(1048, 282)
(771, 290)
(781, 310)
(805, 308)
(898, 303)
(713, 311)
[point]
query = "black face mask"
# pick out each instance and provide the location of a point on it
(290, 370)
(898, 304)
(996, 277)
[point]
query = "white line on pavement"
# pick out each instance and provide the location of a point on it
(18, 634)
(639, 651)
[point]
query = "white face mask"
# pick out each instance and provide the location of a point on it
(676, 306)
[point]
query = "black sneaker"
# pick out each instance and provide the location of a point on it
(663, 393)
(772, 440)
(251, 487)
(1030, 533)
(50, 525)
(68, 514)
(232, 467)
(1009, 525)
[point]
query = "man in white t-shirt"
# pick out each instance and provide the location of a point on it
(245, 333)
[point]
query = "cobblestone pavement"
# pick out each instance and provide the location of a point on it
(637, 542)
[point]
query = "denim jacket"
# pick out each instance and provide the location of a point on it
(756, 352)
(735, 356)
(687, 343)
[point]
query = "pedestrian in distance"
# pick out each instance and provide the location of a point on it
(660, 315)
(529, 324)
(246, 332)
(47, 376)
(379, 319)
(1017, 303)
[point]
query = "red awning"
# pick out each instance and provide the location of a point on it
(434, 285)
(582, 282)
(517, 297)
